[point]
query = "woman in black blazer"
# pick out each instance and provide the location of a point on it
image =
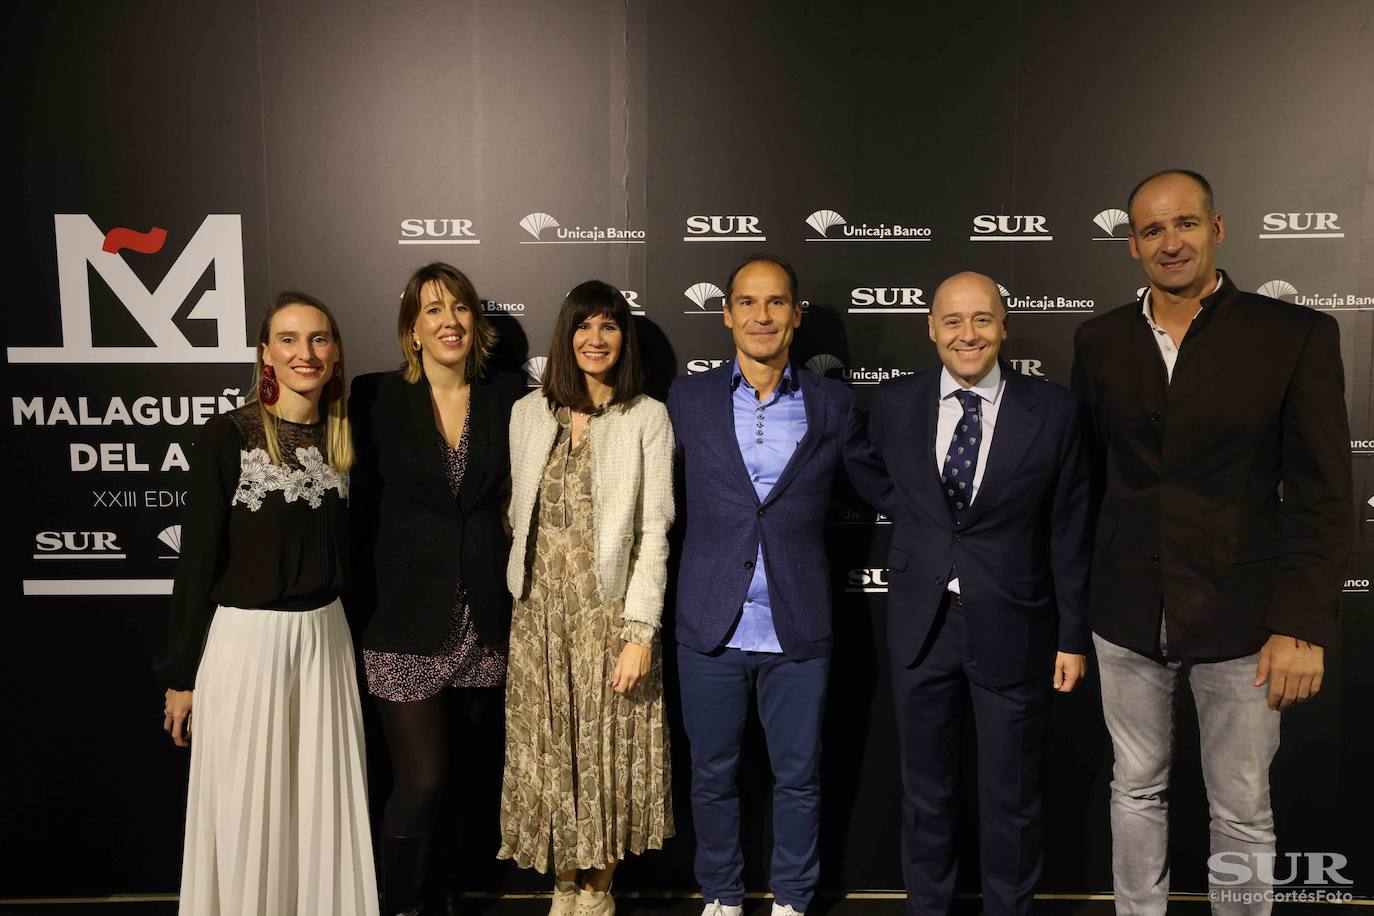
(429, 484)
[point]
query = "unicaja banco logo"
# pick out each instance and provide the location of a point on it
(1043, 305)
(511, 309)
(534, 371)
(218, 243)
(994, 227)
(1277, 289)
(822, 221)
(831, 366)
(699, 294)
(1301, 226)
(1109, 221)
(171, 538)
(1330, 302)
(537, 224)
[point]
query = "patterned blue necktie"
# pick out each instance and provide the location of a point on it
(961, 458)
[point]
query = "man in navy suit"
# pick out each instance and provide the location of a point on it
(758, 442)
(987, 587)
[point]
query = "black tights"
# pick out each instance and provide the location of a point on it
(417, 739)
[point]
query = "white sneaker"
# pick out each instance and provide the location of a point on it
(716, 908)
(786, 910)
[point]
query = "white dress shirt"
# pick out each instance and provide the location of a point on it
(1167, 348)
(989, 390)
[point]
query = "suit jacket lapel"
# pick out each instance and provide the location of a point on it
(816, 408)
(1017, 426)
(922, 425)
(424, 446)
(723, 419)
(479, 439)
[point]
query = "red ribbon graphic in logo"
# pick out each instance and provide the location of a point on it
(149, 242)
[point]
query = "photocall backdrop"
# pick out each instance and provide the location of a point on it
(333, 148)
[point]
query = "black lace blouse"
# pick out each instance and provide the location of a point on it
(255, 534)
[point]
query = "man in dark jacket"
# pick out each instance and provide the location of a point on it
(758, 443)
(987, 582)
(1223, 469)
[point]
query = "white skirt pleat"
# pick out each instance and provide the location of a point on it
(276, 815)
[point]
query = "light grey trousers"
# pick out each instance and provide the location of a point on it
(1239, 737)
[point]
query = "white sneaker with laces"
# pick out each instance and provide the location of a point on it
(716, 908)
(788, 910)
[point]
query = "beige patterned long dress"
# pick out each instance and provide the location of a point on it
(587, 770)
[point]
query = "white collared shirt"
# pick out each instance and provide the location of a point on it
(1167, 348)
(989, 390)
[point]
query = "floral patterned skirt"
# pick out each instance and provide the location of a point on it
(587, 769)
(461, 661)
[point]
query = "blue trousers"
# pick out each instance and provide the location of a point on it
(716, 691)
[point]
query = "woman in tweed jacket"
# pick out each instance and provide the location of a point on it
(587, 762)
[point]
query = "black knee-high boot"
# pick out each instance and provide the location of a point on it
(405, 860)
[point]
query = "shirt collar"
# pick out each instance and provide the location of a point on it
(989, 388)
(786, 386)
(1202, 304)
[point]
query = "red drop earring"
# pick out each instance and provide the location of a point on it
(268, 389)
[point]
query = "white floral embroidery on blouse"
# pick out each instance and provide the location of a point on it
(258, 476)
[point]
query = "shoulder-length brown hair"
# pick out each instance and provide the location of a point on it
(460, 288)
(564, 384)
(338, 439)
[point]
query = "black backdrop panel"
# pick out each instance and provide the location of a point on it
(536, 144)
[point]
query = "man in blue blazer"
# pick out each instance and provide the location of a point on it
(987, 589)
(758, 443)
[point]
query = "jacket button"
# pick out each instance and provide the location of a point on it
(1154, 558)
(958, 537)
(748, 564)
(1156, 416)
(762, 513)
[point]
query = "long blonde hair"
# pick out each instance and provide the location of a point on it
(338, 438)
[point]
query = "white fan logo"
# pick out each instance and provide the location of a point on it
(171, 536)
(824, 364)
(700, 294)
(535, 223)
(534, 370)
(822, 220)
(1277, 289)
(1109, 221)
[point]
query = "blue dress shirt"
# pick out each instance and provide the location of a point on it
(768, 434)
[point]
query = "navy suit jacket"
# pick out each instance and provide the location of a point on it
(1022, 550)
(726, 522)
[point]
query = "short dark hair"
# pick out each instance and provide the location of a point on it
(564, 385)
(766, 259)
(461, 289)
(1203, 183)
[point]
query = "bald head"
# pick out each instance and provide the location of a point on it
(968, 323)
(968, 288)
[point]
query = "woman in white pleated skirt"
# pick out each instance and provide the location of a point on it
(276, 816)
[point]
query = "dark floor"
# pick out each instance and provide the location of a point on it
(855, 905)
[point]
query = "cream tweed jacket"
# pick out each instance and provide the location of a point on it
(632, 497)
